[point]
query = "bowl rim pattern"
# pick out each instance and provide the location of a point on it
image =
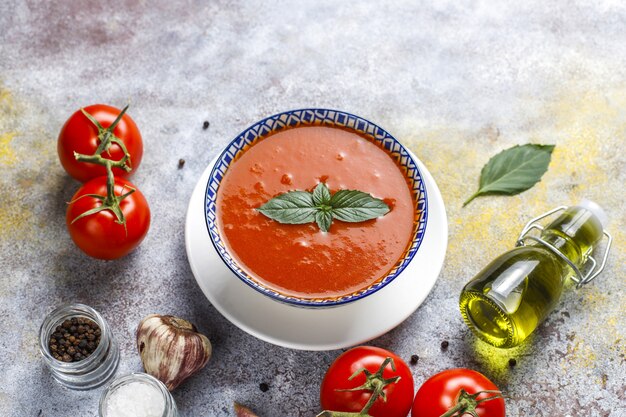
(317, 117)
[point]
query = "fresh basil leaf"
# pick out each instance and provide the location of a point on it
(321, 195)
(514, 170)
(299, 207)
(294, 207)
(356, 206)
(323, 219)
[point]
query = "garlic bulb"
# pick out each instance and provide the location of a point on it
(241, 411)
(171, 348)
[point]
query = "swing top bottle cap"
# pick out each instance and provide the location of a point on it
(596, 210)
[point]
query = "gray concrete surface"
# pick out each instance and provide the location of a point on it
(455, 81)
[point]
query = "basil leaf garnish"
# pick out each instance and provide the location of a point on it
(294, 207)
(299, 207)
(356, 206)
(514, 170)
(324, 219)
(321, 195)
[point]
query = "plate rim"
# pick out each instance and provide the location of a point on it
(272, 336)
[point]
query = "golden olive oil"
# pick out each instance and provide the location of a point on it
(506, 301)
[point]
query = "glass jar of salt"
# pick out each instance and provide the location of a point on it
(137, 395)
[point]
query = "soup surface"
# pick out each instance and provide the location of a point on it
(299, 259)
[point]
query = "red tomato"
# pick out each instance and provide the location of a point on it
(98, 234)
(399, 394)
(440, 392)
(79, 134)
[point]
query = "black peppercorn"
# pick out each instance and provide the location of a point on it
(444, 345)
(264, 387)
(181, 163)
(512, 362)
(74, 339)
(414, 359)
(205, 125)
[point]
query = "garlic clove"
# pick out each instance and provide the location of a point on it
(171, 348)
(241, 411)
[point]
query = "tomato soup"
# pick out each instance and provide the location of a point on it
(299, 259)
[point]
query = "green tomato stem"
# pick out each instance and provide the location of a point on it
(467, 403)
(454, 410)
(99, 160)
(106, 137)
(110, 200)
(375, 383)
(340, 414)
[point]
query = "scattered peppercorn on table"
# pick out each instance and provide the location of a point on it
(454, 83)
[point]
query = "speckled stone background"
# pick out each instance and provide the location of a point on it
(456, 81)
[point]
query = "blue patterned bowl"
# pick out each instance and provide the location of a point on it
(317, 117)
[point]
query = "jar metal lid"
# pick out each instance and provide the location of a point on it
(579, 277)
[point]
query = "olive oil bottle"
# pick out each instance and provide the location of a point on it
(506, 301)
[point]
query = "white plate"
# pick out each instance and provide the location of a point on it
(314, 328)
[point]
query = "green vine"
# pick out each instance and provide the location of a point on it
(375, 383)
(467, 403)
(106, 138)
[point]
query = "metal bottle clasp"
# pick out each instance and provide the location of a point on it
(579, 278)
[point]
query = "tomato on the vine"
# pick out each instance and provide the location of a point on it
(99, 233)
(81, 135)
(340, 392)
(454, 393)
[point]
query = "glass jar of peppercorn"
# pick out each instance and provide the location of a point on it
(78, 347)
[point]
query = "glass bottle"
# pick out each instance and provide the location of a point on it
(136, 379)
(510, 297)
(90, 372)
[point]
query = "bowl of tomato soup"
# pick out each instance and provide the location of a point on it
(301, 264)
